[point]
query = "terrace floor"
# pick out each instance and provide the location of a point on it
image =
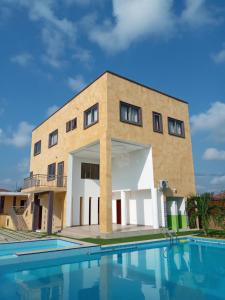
(118, 231)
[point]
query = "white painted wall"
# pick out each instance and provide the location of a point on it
(139, 207)
(133, 170)
(84, 188)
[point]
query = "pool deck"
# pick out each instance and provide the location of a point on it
(119, 231)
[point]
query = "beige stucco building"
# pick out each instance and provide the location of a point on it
(117, 152)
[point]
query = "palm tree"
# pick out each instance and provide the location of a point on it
(201, 207)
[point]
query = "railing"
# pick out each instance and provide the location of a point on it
(40, 180)
(19, 210)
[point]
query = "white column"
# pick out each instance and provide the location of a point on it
(123, 208)
(163, 210)
(155, 208)
(69, 200)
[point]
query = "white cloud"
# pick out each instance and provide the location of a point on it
(84, 56)
(134, 19)
(218, 180)
(22, 59)
(196, 13)
(214, 154)
(76, 83)
(57, 33)
(219, 57)
(212, 121)
(19, 138)
(51, 110)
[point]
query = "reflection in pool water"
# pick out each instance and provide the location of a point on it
(183, 271)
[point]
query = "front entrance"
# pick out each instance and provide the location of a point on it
(118, 211)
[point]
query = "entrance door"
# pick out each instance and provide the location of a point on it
(39, 217)
(118, 211)
(60, 174)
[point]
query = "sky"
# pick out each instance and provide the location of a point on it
(50, 49)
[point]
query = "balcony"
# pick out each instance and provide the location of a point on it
(42, 183)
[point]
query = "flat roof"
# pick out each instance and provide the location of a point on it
(13, 194)
(117, 75)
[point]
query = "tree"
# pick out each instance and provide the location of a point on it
(201, 207)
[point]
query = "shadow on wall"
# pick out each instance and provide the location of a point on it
(132, 170)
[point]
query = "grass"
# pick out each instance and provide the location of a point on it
(132, 238)
(213, 233)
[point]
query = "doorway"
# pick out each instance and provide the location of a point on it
(60, 174)
(118, 211)
(39, 217)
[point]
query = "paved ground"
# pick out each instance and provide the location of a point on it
(118, 231)
(11, 236)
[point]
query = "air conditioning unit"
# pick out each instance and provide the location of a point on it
(163, 184)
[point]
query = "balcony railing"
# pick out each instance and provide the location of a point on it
(40, 180)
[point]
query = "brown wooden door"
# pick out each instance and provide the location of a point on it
(118, 211)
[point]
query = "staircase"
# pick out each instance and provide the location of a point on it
(7, 235)
(18, 220)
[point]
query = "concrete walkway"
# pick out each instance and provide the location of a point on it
(7, 235)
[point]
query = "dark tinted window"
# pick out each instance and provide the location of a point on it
(89, 171)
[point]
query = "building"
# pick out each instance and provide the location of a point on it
(117, 152)
(12, 208)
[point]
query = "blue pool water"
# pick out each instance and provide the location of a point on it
(187, 270)
(13, 248)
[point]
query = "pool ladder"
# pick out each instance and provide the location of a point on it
(172, 236)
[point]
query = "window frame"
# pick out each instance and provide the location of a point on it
(182, 135)
(49, 138)
(90, 109)
(128, 105)
(38, 152)
(75, 123)
(154, 113)
(71, 125)
(51, 177)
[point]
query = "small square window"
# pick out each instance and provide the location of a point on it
(37, 148)
(176, 127)
(53, 138)
(91, 116)
(157, 122)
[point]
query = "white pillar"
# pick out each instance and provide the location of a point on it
(163, 210)
(69, 200)
(123, 208)
(155, 208)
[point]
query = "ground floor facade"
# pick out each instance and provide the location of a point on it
(108, 183)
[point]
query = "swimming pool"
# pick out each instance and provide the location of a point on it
(189, 269)
(8, 249)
